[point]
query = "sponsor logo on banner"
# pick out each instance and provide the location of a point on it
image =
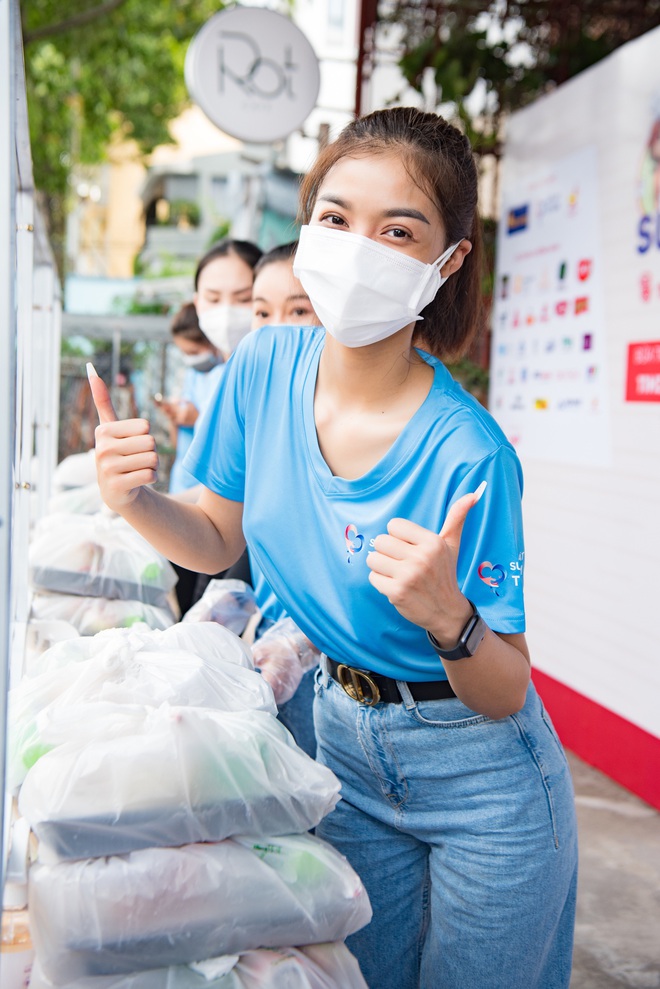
(643, 378)
(646, 286)
(584, 269)
(550, 204)
(518, 219)
(581, 305)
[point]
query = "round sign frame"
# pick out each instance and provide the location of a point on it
(254, 74)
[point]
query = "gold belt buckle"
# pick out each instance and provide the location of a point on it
(353, 683)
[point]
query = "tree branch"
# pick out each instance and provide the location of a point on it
(79, 20)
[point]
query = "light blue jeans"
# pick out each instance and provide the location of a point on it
(463, 832)
(298, 714)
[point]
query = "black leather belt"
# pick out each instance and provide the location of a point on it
(370, 688)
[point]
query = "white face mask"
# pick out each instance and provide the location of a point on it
(225, 326)
(362, 291)
(203, 362)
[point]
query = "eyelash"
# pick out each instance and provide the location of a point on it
(331, 217)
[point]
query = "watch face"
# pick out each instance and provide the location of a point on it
(468, 643)
(475, 634)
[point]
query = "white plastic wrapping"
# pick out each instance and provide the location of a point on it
(283, 653)
(85, 500)
(75, 471)
(228, 602)
(146, 777)
(124, 670)
(212, 643)
(92, 615)
(318, 966)
(172, 906)
(40, 636)
(95, 556)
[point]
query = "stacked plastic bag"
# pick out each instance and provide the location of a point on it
(88, 567)
(171, 809)
(317, 966)
(126, 667)
(97, 572)
(283, 653)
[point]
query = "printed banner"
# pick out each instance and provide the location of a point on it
(548, 381)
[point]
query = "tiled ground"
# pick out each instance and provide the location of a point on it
(617, 944)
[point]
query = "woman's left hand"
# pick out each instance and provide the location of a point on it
(415, 569)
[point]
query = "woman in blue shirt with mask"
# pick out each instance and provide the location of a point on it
(352, 464)
(204, 367)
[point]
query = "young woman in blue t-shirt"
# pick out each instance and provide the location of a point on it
(354, 465)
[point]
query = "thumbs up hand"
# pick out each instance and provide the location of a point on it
(126, 457)
(416, 571)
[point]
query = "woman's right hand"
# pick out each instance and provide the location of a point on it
(126, 457)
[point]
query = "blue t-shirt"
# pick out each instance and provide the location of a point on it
(309, 531)
(198, 388)
(269, 606)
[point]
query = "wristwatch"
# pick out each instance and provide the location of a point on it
(468, 641)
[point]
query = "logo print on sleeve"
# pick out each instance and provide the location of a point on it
(354, 541)
(492, 574)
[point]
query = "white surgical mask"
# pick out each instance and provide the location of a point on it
(362, 291)
(203, 362)
(225, 326)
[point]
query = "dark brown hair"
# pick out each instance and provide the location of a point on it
(440, 162)
(285, 252)
(185, 323)
(243, 249)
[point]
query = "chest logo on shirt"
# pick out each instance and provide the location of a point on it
(354, 541)
(492, 574)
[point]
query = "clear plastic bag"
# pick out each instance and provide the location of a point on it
(124, 670)
(318, 966)
(75, 471)
(211, 642)
(85, 500)
(228, 602)
(132, 778)
(173, 906)
(283, 653)
(94, 556)
(41, 636)
(181, 977)
(92, 615)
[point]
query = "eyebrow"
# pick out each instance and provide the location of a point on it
(234, 291)
(289, 298)
(413, 214)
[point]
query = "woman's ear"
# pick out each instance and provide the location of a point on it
(452, 264)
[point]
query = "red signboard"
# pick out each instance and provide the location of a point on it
(643, 378)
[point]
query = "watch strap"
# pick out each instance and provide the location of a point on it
(468, 641)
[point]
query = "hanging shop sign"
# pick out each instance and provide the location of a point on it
(253, 73)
